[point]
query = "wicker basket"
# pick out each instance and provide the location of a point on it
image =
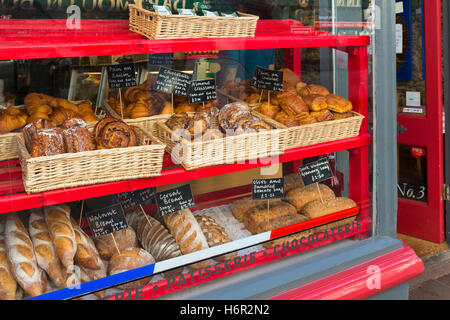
(91, 167)
(227, 150)
(156, 26)
(320, 132)
(8, 141)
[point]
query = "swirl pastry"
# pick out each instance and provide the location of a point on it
(116, 134)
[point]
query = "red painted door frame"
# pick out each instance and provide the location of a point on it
(426, 220)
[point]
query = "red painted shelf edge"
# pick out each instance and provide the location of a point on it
(360, 282)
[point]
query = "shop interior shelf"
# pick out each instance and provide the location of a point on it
(29, 39)
(14, 198)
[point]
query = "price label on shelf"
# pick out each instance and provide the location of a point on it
(316, 171)
(267, 79)
(133, 199)
(121, 75)
(160, 59)
(106, 220)
(175, 199)
(266, 189)
(173, 81)
(202, 91)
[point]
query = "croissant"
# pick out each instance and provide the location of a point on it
(12, 119)
(269, 110)
(167, 108)
(85, 107)
(140, 110)
(36, 99)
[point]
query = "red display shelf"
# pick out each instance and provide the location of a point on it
(14, 198)
(29, 39)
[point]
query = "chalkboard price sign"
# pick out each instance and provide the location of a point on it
(316, 171)
(267, 79)
(202, 91)
(266, 189)
(160, 59)
(106, 220)
(133, 199)
(175, 199)
(173, 81)
(121, 75)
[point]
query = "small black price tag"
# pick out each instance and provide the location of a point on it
(160, 59)
(316, 171)
(267, 79)
(202, 91)
(266, 189)
(121, 75)
(133, 199)
(175, 199)
(173, 81)
(106, 220)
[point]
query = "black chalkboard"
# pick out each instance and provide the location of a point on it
(316, 171)
(106, 220)
(202, 91)
(121, 75)
(267, 79)
(266, 189)
(160, 59)
(175, 199)
(133, 199)
(173, 81)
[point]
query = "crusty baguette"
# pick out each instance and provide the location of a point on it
(8, 284)
(87, 254)
(188, 234)
(61, 232)
(43, 247)
(21, 257)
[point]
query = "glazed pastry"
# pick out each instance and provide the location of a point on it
(47, 142)
(309, 119)
(293, 105)
(299, 86)
(31, 129)
(12, 119)
(36, 99)
(99, 126)
(313, 89)
(188, 234)
(77, 137)
(338, 116)
(315, 102)
(323, 115)
(289, 77)
(178, 121)
(21, 257)
(269, 110)
(338, 104)
(215, 235)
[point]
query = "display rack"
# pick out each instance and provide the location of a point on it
(29, 39)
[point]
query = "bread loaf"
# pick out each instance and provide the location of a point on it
(317, 208)
(215, 235)
(128, 259)
(87, 275)
(298, 197)
(125, 238)
(87, 254)
(158, 241)
(188, 234)
(292, 181)
(241, 206)
(8, 285)
(21, 257)
(260, 214)
(43, 247)
(279, 222)
(61, 233)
